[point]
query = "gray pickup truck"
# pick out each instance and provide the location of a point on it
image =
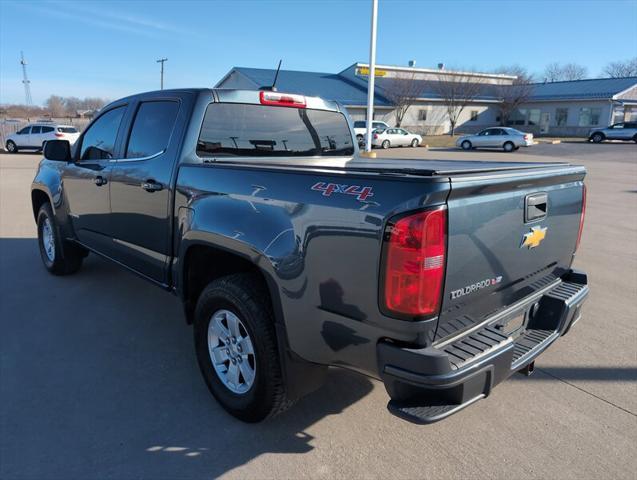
(291, 253)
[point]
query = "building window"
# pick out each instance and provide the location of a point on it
(534, 116)
(422, 115)
(561, 116)
(589, 116)
(518, 117)
(474, 115)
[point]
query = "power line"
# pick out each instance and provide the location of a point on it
(162, 60)
(25, 80)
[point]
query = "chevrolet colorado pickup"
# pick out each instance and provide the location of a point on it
(292, 253)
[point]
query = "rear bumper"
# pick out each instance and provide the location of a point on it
(429, 384)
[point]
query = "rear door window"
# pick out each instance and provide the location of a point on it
(152, 128)
(234, 129)
(36, 129)
(47, 129)
(67, 129)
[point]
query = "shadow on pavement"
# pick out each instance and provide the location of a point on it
(98, 379)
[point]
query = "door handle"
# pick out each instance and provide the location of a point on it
(99, 181)
(152, 186)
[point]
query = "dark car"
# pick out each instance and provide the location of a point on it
(290, 253)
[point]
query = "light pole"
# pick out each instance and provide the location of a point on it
(162, 60)
(370, 83)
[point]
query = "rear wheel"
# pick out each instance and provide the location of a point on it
(466, 145)
(508, 147)
(59, 257)
(236, 348)
(385, 144)
(11, 146)
(359, 138)
(414, 143)
(597, 137)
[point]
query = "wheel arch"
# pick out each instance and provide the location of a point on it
(203, 262)
(38, 198)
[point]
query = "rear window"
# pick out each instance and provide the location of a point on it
(359, 124)
(67, 129)
(234, 129)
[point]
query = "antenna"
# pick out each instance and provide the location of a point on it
(25, 81)
(272, 88)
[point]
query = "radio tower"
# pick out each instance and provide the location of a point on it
(25, 80)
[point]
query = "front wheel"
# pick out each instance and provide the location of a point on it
(508, 147)
(236, 348)
(59, 257)
(11, 146)
(385, 144)
(414, 143)
(597, 138)
(466, 145)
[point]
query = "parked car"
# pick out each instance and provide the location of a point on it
(619, 131)
(32, 137)
(360, 127)
(292, 253)
(395, 137)
(506, 138)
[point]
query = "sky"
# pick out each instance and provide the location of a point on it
(109, 48)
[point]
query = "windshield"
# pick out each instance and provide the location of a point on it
(235, 129)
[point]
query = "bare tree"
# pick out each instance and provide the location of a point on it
(557, 72)
(55, 105)
(457, 90)
(627, 68)
(514, 95)
(402, 91)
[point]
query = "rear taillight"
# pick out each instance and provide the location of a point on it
(414, 263)
(59, 135)
(581, 218)
(527, 136)
(282, 99)
(375, 135)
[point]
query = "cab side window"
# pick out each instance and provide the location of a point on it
(24, 131)
(99, 140)
(152, 128)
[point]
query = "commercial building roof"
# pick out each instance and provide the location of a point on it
(593, 89)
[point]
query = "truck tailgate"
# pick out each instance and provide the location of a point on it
(509, 235)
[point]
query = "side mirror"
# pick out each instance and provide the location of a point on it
(59, 150)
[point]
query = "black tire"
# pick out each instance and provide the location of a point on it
(386, 144)
(359, 138)
(415, 143)
(597, 137)
(246, 297)
(508, 147)
(466, 145)
(66, 258)
(11, 146)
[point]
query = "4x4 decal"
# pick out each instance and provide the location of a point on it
(361, 193)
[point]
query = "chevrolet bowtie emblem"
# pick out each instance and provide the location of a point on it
(534, 237)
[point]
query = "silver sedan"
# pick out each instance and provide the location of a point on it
(508, 139)
(395, 137)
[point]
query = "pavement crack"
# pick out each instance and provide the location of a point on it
(587, 392)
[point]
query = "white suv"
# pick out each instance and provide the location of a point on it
(32, 137)
(360, 127)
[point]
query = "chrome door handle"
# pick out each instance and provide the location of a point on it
(152, 186)
(99, 181)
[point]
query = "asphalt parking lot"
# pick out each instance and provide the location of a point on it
(98, 377)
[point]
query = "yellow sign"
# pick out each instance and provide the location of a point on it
(365, 71)
(534, 237)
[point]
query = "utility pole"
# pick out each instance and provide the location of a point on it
(162, 60)
(370, 82)
(25, 81)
